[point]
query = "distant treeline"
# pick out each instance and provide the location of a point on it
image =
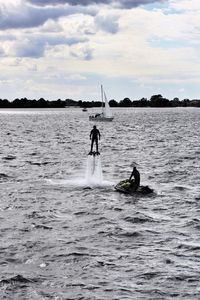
(154, 101)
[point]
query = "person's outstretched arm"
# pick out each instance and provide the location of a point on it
(131, 176)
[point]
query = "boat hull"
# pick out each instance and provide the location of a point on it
(100, 119)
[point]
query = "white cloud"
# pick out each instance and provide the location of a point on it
(78, 24)
(76, 77)
(51, 26)
(82, 52)
(187, 5)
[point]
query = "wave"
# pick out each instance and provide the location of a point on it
(18, 279)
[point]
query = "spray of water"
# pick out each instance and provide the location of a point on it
(93, 175)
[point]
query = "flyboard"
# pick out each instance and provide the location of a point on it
(93, 153)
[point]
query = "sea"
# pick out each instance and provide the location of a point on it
(66, 233)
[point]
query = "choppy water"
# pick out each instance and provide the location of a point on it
(62, 241)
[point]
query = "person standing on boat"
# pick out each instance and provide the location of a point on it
(134, 184)
(94, 137)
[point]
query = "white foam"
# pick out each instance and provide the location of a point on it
(82, 183)
(93, 176)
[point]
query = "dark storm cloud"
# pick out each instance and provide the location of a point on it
(135, 3)
(35, 46)
(27, 16)
(70, 2)
(29, 49)
(121, 3)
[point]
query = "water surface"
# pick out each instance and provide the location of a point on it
(62, 241)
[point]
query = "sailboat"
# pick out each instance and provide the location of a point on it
(106, 114)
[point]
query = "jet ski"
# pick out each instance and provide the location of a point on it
(126, 187)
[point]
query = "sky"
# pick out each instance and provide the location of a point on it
(59, 49)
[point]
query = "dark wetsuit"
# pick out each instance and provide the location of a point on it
(136, 175)
(94, 135)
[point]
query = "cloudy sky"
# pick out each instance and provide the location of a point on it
(67, 48)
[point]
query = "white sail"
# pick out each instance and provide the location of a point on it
(108, 112)
(102, 98)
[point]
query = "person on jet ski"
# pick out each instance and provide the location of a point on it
(94, 137)
(134, 184)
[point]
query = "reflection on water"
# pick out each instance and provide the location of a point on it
(65, 237)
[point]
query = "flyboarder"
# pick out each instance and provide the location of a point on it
(94, 137)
